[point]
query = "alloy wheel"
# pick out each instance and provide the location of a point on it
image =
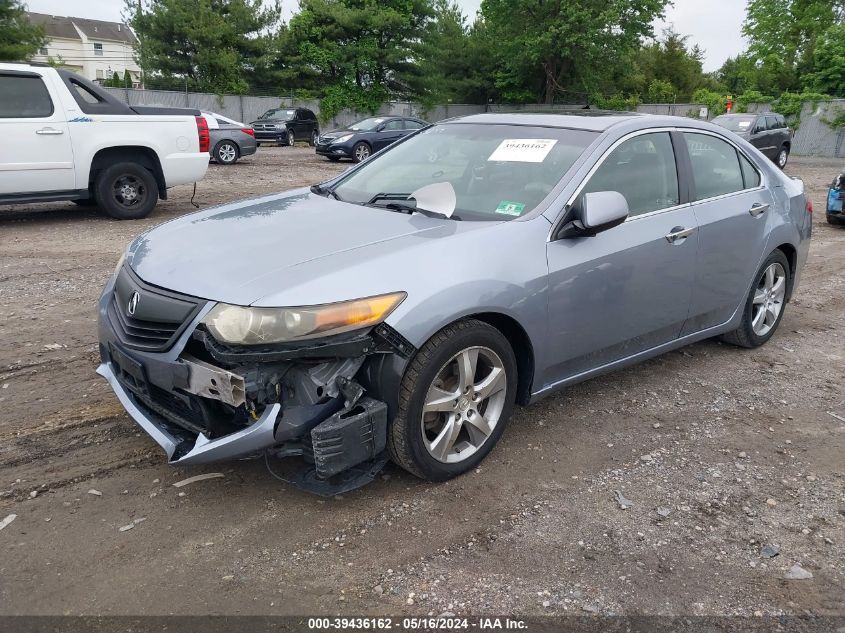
(129, 191)
(768, 299)
(227, 153)
(782, 158)
(362, 152)
(463, 405)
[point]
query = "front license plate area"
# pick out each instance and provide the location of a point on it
(130, 373)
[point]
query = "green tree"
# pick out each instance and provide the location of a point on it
(357, 53)
(19, 38)
(545, 50)
(661, 91)
(782, 35)
(668, 60)
(829, 62)
(211, 45)
(454, 62)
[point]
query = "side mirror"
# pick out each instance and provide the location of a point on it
(597, 211)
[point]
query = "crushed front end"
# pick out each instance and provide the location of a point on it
(204, 400)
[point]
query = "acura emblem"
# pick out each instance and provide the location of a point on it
(133, 303)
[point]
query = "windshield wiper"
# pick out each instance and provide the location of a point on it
(402, 205)
(388, 196)
(410, 208)
(323, 191)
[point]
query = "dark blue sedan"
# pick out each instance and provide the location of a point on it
(361, 139)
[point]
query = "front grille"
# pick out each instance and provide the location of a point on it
(160, 316)
(138, 333)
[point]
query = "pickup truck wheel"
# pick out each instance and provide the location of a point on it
(454, 401)
(226, 153)
(126, 191)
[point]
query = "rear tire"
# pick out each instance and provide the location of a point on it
(126, 191)
(430, 429)
(783, 157)
(226, 153)
(315, 134)
(765, 304)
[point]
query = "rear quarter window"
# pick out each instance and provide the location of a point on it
(715, 166)
(24, 98)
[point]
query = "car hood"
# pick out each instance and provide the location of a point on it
(242, 252)
(269, 121)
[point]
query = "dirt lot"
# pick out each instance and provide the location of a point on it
(721, 451)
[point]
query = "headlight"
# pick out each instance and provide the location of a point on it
(342, 139)
(253, 326)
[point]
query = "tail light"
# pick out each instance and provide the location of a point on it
(808, 206)
(248, 130)
(202, 131)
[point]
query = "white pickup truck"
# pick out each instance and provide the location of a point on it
(64, 138)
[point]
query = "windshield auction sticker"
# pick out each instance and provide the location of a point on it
(523, 150)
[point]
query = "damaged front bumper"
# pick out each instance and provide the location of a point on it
(203, 401)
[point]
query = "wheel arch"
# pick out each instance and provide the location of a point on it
(792, 257)
(522, 348)
(144, 156)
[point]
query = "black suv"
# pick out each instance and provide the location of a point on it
(285, 126)
(766, 131)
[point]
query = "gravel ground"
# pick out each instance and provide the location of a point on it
(690, 484)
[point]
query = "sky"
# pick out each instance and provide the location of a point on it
(712, 24)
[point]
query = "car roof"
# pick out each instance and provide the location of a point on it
(591, 120)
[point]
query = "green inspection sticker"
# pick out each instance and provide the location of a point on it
(510, 208)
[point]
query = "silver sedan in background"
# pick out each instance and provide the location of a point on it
(402, 308)
(230, 139)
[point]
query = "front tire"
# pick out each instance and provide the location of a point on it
(226, 153)
(455, 399)
(126, 191)
(361, 152)
(765, 304)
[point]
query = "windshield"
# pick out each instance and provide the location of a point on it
(367, 124)
(277, 114)
(498, 172)
(735, 123)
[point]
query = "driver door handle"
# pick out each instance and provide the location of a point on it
(679, 234)
(758, 209)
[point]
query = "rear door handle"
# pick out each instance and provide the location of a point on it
(49, 131)
(758, 209)
(679, 234)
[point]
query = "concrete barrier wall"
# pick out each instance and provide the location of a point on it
(814, 136)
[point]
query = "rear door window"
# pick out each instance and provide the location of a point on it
(643, 170)
(411, 124)
(715, 166)
(24, 97)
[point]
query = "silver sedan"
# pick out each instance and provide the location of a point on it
(403, 308)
